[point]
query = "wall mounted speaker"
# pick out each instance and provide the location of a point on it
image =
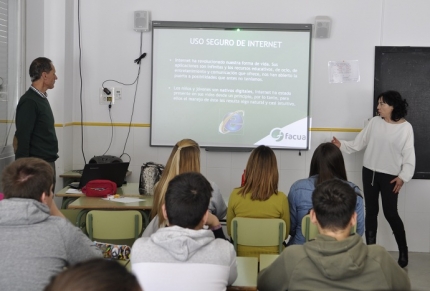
(141, 20)
(322, 26)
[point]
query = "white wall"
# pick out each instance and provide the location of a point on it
(109, 46)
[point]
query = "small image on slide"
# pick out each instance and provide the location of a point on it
(232, 122)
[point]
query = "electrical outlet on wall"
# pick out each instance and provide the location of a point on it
(117, 92)
(105, 99)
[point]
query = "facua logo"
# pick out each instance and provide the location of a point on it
(277, 134)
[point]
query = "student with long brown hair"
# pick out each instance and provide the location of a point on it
(185, 157)
(259, 196)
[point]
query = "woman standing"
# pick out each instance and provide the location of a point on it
(259, 196)
(327, 163)
(389, 162)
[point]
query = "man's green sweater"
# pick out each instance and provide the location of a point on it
(35, 129)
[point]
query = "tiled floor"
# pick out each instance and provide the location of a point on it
(418, 270)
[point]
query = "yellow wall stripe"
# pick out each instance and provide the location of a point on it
(335, 129)
(123, 124)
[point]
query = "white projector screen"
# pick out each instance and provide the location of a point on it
(231, 85)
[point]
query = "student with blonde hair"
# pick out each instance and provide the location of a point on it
(185, 157)
(259, 196)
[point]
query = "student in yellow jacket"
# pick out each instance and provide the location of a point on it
(259, 197)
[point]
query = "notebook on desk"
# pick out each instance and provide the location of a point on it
(112, 171)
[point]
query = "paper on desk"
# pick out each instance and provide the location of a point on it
(73, 191)
(124, 199)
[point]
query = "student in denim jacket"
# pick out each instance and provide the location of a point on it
(327, 163)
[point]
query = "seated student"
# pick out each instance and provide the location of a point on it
(259, 197)
(36, 241)
(95, 275)
(185, 157)
(335, 260)
(184, 256)
(327, 163)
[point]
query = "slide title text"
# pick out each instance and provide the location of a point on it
(238, 42)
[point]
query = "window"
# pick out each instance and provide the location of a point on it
(11, 59)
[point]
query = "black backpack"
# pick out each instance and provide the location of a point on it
(150, 174)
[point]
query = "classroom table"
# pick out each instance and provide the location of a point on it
(247, 272)
(129, 189)
(98, 203)
(92, 203)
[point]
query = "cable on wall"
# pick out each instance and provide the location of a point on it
(138, 61)
(80, 78)
(111, 125)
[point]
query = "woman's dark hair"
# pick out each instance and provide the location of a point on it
(327, 162)
(95, 275)
(400, 106)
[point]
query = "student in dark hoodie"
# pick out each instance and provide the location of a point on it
(335, 260)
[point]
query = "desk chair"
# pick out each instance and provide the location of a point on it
(72, 216)
(310, 230)
(258, 232)
(114, 226)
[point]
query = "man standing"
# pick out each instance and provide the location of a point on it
(35, 133)
(335, 260)
(36, 241)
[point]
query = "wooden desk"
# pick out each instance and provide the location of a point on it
(98, 203)
(129, 189)
(80, 201)
(247, 271)
(91, 203)
(71, 175)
